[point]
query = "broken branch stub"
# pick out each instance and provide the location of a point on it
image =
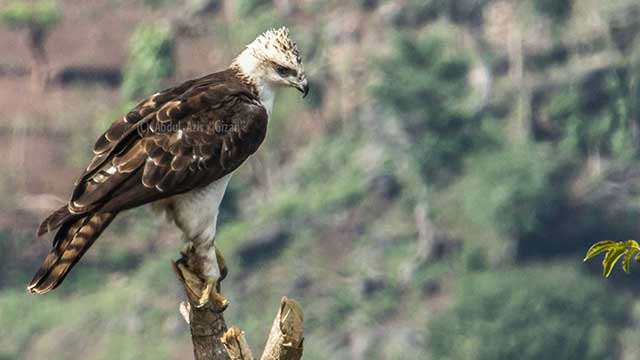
(209, 334)
(285, 339)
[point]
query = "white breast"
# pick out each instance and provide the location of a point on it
(196, 212)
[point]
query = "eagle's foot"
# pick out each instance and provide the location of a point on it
(202, 290)
(210, 294)
(222, 265)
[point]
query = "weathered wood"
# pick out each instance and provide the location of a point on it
(285, 339)
(210, 337)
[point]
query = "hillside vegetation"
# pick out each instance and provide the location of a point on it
(432, 197)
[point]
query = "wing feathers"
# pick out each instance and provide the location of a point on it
(130, 160)
(199, 131)
(152, 174)
(117, 130)
(182, 160)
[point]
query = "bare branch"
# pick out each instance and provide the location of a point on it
(285, 339)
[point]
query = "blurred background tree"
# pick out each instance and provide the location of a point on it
(151, 61)
(531, 318)
(37, 19)
(425, 84)
(556, 9)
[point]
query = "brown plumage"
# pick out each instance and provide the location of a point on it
(177, 140)
(177, 150)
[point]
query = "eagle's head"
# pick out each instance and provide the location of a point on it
(273, 60)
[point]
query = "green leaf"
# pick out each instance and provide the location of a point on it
(627, 259)
(632, 244)
(612, 258)
(613, 252)
(598, 248)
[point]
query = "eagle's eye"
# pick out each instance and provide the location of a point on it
(284, 71)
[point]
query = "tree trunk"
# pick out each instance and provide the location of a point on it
(210, 337)
(39, 65)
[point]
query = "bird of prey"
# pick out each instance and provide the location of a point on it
(176, 150)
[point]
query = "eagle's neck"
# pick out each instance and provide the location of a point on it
(249, 69)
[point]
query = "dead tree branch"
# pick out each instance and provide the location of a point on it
(285, 339)
(209, 334)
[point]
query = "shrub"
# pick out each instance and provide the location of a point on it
(505, 195)
(157, 3)
(151, 60)
(550, 312)
(248, 7)
(594, 116)
(557, 10)
(424, 83)
(416, 12)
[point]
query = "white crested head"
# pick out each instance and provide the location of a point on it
(272, 60)
(276, 46)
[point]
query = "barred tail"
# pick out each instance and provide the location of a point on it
(72, 240)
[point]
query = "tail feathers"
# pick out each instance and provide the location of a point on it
(72, 240)
(55, 220)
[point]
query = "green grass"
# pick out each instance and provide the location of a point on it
(120, 315)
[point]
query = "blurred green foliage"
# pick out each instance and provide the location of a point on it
(506, 196)
(260, 21)
(417, 12)
(250, 7)
(594, 117)
(556, 9)
(529, 314)
(151, 61)
(424, 82)
(58, 320)
(42, 15)
(158, 3)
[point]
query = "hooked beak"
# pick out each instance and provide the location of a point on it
(303, 86)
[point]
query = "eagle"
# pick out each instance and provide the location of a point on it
(176, 150)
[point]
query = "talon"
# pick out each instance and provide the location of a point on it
(222, 265)
(221, 302)
(206, 292)
(211, 295)
(201, 291)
